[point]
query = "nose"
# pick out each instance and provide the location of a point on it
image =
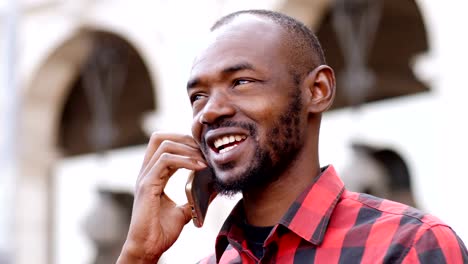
(218, 106)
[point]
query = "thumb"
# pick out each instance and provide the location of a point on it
(187, 212)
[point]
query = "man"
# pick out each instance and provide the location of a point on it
(257, 92)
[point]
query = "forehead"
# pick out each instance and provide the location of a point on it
(246, 39)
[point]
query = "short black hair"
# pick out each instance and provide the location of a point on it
(305, 45)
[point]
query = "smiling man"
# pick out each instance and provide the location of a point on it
(257, 91)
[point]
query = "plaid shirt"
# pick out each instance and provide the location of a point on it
(328, 224)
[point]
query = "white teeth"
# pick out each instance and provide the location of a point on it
(217, 143)
(227, 140)
(227, 149)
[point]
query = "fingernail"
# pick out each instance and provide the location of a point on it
(201, 164)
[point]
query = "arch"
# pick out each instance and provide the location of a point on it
(114, 76)
(52, 87)
(48, 101)
(391, 55)
(379, 171)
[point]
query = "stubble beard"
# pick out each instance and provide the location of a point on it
(283, 144)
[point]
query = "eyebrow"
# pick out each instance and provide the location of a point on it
(226, 71)
(238, 67)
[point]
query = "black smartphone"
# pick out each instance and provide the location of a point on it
(200, 192)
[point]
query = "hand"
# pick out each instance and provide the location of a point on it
(156, 220)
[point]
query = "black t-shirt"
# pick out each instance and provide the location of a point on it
(256, 236)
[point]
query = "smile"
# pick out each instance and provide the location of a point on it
(226, 143)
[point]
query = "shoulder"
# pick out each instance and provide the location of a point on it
(437, 243)
(408, 233)
(386, 211)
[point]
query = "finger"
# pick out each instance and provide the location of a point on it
(168, 163)
(173, 147)
(186, 210)
(165, 167)
(157, 138)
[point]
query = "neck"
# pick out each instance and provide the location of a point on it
(266, 206)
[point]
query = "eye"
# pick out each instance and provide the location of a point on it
(241, 82)
(196, 97)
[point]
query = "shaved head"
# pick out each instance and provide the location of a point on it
(304, 48)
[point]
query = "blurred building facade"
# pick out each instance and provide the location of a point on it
(95, 78)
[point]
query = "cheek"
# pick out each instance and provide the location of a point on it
(261, 108)
(267, 126)
(265, 113)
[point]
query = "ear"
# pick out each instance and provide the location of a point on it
(320, 89)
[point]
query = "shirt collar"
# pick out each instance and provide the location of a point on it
(308, 216)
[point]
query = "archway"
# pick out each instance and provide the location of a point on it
(400, 36)
(107, 99)
(379, 171)
(57, 118)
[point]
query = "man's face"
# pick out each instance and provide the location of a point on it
(247, 108)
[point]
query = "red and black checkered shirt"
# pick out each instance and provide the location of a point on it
(328, 224)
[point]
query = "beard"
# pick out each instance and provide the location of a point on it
(283, 143)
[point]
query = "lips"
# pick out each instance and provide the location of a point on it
(226, 143)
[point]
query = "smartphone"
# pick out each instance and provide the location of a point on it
(200, 192)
